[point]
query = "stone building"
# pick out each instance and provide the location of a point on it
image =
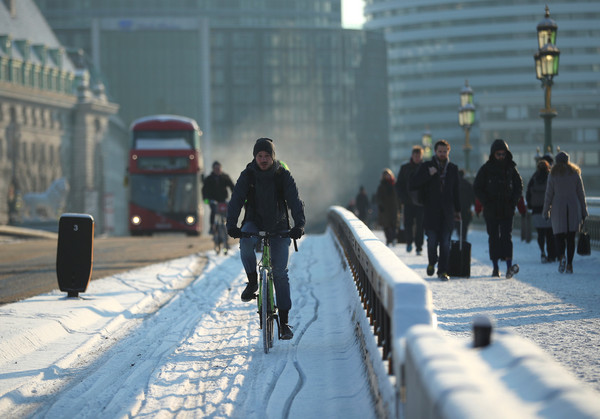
(53, 122)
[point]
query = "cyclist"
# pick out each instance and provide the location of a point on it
(266, 189)
(214, 190)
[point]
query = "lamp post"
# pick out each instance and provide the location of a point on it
(546, 67)
(426, 141)
(466, 119)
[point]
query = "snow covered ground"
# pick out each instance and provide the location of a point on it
(559, 312)
(164, 342)
(114, 353)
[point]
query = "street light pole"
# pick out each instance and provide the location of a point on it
(546, 67)
(466, 119)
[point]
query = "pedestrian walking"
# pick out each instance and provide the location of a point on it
(498, 186)
(535, 196)
(565, 206)
(387, 206)
(412, 207)
(437, 180)
(467, 201)
(362, 205)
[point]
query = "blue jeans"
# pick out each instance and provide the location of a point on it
(441, 238)
(280, 251)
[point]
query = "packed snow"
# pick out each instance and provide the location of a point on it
(114, 353)
(164, 341)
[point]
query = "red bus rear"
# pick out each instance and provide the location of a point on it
(165, 163)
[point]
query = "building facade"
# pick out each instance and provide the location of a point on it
(52, 124)
(244, 70)
(434, 46)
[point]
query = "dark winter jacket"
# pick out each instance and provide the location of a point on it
(440, 193)
(387, 204)
(498, 184)
(407, 196)
(267, 205)
(215, 187)
(536, 191)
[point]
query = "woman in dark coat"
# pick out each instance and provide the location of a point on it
(387, 205)
(498, 186)
(565, 205)
(536, 193)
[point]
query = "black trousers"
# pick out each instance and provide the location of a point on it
(413, 224)
(500, 238)
(565, 240)
(546, 240)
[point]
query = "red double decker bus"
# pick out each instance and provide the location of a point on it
(165, 163)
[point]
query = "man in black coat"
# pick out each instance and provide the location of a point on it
(412, 207)
(437, 181)
(498, 186)
(214, 189)
(266, 189)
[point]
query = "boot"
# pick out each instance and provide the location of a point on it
(285, 333)
(251, 288)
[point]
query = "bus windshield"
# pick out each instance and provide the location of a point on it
(164, 140)
(165, 193)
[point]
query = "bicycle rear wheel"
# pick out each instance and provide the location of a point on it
(267, 315)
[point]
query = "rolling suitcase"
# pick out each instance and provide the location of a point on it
(75, 253)
(459, 264)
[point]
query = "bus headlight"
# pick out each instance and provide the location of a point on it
(136, 220)
(190, 220)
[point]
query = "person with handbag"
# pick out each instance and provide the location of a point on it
(564, 205)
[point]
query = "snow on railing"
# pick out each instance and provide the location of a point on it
(394, 297)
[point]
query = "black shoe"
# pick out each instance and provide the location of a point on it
(430, 270)
(443, 276)
(513, 270)
(544, 258)
(569, 269)
(251, 288)
(285, 332)
(562, 265)
(496, 273)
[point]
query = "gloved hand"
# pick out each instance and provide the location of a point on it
(234, 232)
(296, 233)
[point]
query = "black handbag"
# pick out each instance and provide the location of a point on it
(583, 243)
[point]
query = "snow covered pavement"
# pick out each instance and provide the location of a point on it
(558, 312)
(114, 353)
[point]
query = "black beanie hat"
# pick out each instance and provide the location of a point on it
(562, 157)
(264, 144)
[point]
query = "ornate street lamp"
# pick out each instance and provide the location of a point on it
(466, 119)
(426, 141)
(546, 67)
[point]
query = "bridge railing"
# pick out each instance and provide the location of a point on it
(437, 377)
(393, 296)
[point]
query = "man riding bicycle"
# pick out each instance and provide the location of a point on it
(214, 189)
(266, 189)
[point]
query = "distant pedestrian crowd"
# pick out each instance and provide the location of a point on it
(432, 198)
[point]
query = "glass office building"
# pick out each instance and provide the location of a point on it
(247, 69)
(435, 45)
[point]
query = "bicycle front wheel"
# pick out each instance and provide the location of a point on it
(267, 316)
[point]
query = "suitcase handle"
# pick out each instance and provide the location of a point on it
(460, 238)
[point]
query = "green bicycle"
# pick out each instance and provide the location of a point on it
(267, 310)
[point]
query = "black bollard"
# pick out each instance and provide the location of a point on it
(75, 253)
(482, 331)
